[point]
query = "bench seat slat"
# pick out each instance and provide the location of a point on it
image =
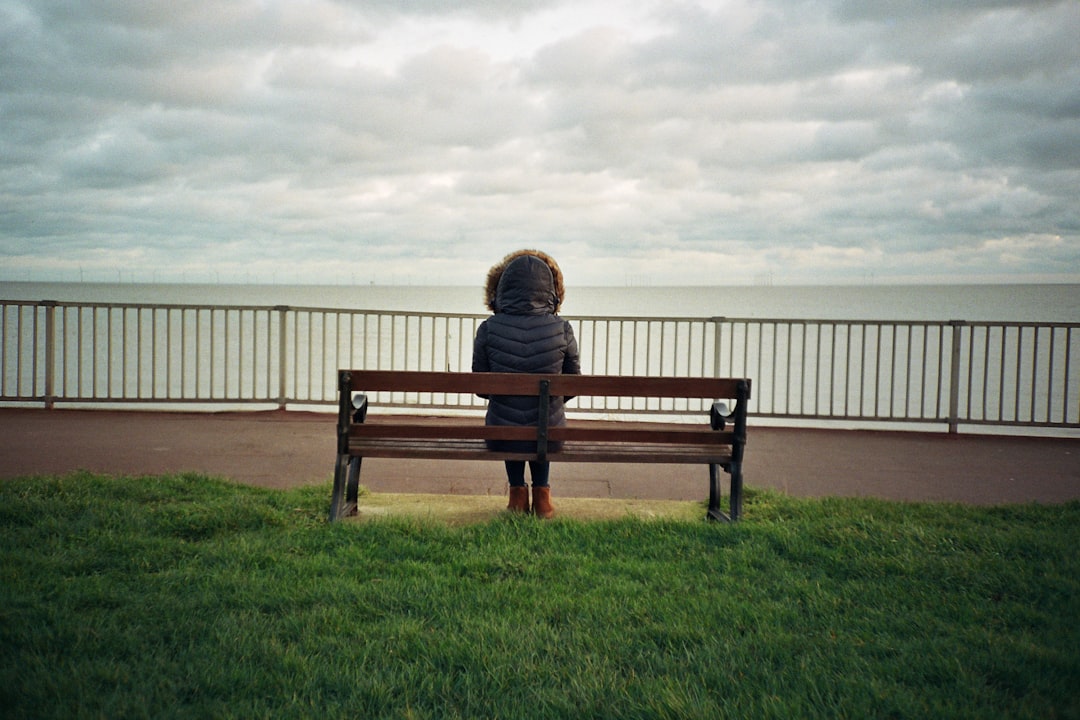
(463, 449)
(690, 435)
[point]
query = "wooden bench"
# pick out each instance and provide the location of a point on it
(392, 436)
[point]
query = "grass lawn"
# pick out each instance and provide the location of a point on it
(184, 596)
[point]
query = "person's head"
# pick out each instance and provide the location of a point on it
(525, 282)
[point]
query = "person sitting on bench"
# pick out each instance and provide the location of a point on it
(525, 334)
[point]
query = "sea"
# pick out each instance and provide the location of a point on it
(1036, 303)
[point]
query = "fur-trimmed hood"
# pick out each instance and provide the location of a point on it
(541, 293)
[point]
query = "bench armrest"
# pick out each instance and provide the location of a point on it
(359, 406)
(719, 415)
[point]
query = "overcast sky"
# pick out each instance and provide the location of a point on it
(660, 142)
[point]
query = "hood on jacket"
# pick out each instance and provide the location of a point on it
(525, 282)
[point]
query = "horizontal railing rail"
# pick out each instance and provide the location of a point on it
(949, 373)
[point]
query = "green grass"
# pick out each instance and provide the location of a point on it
(184, 596)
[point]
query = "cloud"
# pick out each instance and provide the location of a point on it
(674, 140)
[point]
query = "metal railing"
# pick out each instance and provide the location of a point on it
(948, 373)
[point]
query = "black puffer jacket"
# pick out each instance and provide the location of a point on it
(525, 335)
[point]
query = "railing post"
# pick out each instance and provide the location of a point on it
(50, 352)
(954, 376)
(282, 311)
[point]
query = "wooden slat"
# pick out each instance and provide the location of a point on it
(529, 384)
(653, 433)
(460, 449)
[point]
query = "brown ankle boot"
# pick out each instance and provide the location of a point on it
(542, 506)
(519, 499)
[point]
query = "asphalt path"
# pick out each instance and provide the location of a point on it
(279, 449)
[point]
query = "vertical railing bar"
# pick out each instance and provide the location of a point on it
(239, 354)
(705, 350)
(434, 343)
(818, 327)
(892, 372)
(1050, 376)
(142, 352)
(925, 357)
(34, 354)
(648, 346)
(248, 318)
(352, 339)
(3, 355)
(1034, 369)
(832, 369)
(78, 352)
(238, 360)
(1068, 370)
(608, 330)
(954, 375)
(53, 351)
(940, 370)
(228, 352)
(153, 353)
(323, 347)
(717, 347)
(907, 372)
(788, 407)
(634, 343)
(802, 369)
(971, 371)
(761, 342)
(185, 320)
(877, 372)
(612, 329)
(256, 376)
(862, 369)
(93, 351)
(595, 344)
(94, 338)
(284, 371)
(1065, 383)
(310, 355)
(731, 353)
(3, 347)
(378, 342)
(122, 317)
(674, 350)
(68, 356)
(219, 352)
(20, 322)
(1001, 373)
(408, 336)
(1019, 363)
(198, 355)
(51, 356)
(268, 375)
(986, 368)
(169, 353)
(772, 379)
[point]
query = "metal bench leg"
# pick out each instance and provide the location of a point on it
(735, 469)
(352, 492)
(337, 498)
(715, 513)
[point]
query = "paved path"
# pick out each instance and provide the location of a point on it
(285, 449)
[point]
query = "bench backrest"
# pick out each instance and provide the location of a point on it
(531, 384)
(544, 387)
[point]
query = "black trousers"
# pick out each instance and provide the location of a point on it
(515, 473)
